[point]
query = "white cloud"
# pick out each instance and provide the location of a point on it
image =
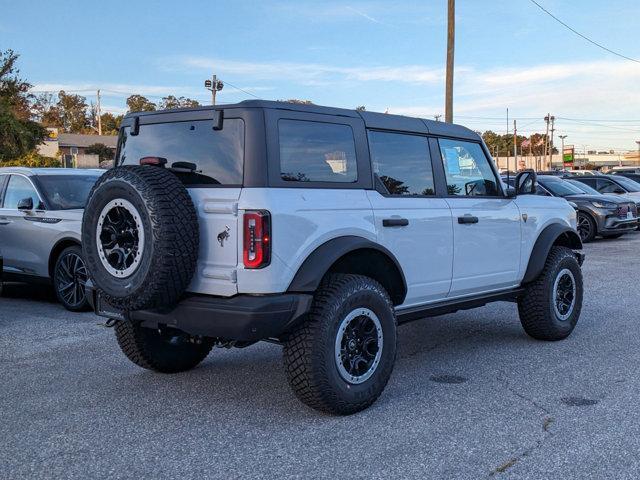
(307, 73)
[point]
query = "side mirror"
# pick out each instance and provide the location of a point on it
(25, 204)
(526, 182)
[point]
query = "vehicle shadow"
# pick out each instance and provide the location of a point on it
(42, 293)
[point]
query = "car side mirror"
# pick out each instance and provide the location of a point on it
(526, 182)
(25, 204)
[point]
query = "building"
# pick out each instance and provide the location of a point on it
(71, 147)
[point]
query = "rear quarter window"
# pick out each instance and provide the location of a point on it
(316, 152)
(218, 155)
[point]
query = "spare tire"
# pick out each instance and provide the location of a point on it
(140, 237)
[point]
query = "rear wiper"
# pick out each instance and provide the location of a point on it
(184, 166)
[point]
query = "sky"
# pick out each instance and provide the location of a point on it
(386, 55)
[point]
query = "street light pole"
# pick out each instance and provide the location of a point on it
(451, 37)
(562, 137)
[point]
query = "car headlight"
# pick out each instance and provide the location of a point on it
(606, 205)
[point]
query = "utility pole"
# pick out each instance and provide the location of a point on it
(546, 141)
(562, 137)
(451, 37)
(553, 119)
(515, 145)
(507, 140)
(638, 142)
(437, 117)
(214, 85)
(99, 112)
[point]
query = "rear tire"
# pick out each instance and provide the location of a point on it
(70, 278)
(551, 305)
(168, 351)
(340, 360)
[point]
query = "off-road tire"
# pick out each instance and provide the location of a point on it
(593, 227)
(81, 304)
(536, 306)
(169, 351)
(309, 350)
(171, 237)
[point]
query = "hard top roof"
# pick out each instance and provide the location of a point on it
(375, 120)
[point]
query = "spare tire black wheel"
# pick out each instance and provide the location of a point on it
(140, 237)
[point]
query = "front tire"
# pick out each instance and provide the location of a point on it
(340, 360)
(166, 351)
(551, 305)
(69, 280)
(587, 228)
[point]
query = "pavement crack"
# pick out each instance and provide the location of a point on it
(547, 421)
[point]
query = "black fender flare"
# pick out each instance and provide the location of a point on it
(318, 263)
(542, 247)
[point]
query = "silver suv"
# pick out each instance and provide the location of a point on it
(40, 218)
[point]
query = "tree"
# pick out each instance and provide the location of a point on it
(72, 109)
(138, 103)
(299, 102)
(19, 134)
(105, 154)
(180, 102)
(361, 108)
(110, 123)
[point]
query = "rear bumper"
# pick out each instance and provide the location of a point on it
(241, 318)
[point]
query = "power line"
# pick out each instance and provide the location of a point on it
(581, 35)
(238, 88)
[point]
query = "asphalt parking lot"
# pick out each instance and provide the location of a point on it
(471, 397)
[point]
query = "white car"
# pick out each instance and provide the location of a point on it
(318, 228)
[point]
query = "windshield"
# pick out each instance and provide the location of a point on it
(67, 192)
(201, 155)
(560, 188)
(584, 187)
(628, 184)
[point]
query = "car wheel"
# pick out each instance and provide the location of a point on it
(166, 351)
(586, 227)
(551, 305)
(70, 278)
(340, 360)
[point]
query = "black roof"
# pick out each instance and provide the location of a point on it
(376, 120)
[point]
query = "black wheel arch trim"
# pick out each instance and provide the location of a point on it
(308, 277)
(547, 239)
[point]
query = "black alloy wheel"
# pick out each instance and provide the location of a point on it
(70, 278)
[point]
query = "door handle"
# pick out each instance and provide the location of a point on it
(467, 219)
(395, 222)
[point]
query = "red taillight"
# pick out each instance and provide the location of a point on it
(256, 249)
(159, 161)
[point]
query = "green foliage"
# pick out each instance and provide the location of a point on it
(110, 123)
(68, 112)
(502, 145)
(32, 159)
(297, 101)
(18, 132)
(105, 153)
(177, 102)
(361, 108)
(138, 103)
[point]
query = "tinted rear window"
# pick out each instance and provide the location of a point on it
(317, 152)
(218, 155)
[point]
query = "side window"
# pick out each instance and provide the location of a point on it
(591, 182)
(467, 169)
(402, 163)
(18, 189)
(317, 152)
(541, 191)
(606, 186)
(3, 180)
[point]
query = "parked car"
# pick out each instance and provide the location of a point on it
(605, 215)
(40, 217)
(613, 184)
(631, 175)
(320, 229)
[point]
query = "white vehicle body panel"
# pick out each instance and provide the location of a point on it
(424, 248)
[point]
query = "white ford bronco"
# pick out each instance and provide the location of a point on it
(320, 229)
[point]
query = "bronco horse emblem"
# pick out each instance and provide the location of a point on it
(223, 235)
